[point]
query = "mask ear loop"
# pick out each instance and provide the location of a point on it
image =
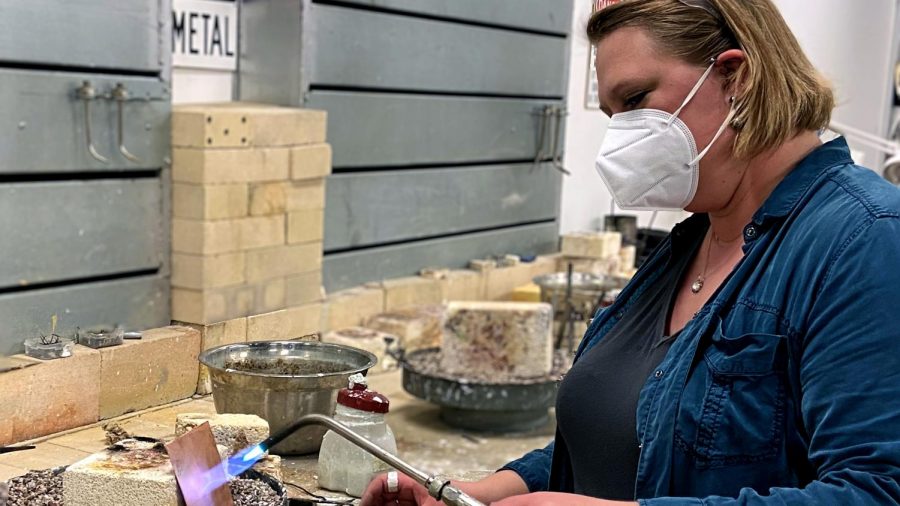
(693, 92)
(719, 133)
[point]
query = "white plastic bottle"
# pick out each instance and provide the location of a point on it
(343, 466)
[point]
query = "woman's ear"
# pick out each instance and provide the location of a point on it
(729, 64)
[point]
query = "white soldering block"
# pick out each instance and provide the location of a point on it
(505, 339)
(600, 245)
(122, 478)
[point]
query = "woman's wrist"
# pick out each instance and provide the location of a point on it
(495, 487)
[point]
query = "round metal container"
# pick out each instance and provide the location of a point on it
(281, 381)
(483, 407)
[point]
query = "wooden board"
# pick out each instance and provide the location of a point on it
(43, 131)
(87, 33)
(197, 465)
(140, 302)
(345, 270)
(378, 130)
(62, 230)
(378, 207)
(545, 15)
(423, 54)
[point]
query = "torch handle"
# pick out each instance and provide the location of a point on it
(441, 490)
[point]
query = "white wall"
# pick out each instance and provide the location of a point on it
(191, 86)
(585, 198)
(853, 44)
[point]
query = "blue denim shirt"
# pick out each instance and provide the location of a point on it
(785, 387)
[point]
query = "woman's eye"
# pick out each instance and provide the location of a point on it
(635, 100)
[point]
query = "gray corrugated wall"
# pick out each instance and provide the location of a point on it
(82, 239)
(432, 117)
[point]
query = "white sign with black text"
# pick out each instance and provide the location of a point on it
(204, 34)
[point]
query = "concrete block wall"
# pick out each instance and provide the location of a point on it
(248, 210)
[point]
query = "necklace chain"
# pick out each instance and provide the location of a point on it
(697, 285)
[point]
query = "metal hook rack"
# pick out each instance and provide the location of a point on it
(552, 115)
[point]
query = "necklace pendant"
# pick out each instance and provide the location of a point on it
(697, 286)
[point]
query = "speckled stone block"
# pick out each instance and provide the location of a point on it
(507, 339)
(233, 431)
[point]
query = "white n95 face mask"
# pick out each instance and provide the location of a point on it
(649, 159)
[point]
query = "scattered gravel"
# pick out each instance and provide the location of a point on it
(253, 493)
(428, 363)
(115, 433)
(36, 488)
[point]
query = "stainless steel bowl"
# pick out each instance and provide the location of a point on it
(281, 381)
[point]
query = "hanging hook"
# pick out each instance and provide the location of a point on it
(86, 93)
(558, 113)
(544, 114)
(120, 95)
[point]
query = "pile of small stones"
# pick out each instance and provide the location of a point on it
(36, 488)
(254, 493)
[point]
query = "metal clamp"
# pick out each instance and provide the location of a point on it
(120, 95)
(87, 93)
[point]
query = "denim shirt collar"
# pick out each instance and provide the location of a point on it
(792, 188)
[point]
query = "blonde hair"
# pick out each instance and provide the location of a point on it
(781, 93)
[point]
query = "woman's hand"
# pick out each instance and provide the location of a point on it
(558, 499)
(409, 493)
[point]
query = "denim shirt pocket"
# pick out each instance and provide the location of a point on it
(733, 406)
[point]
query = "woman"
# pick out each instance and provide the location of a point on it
(755, 357)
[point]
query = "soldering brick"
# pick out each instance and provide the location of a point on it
(215, 335)
(598, 245)
(304, 288)
(122, 478)
(268, 198)
(418, 328)
(370, 340)
(501, 282)
(209, 126)
(463, 284)
(223, 166)
(214, 304)
(49, 396)
(209, 202)
(281, 126)
(282, 261)
(161, 367)
(270, 295)
(290, 323)
(502, 339)
(403, 293)
(305, 226)
(351, 307)
(225, 236)
(207, 271)
(306, 194)
(310, 162)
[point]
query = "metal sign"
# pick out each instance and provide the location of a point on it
(204, 34)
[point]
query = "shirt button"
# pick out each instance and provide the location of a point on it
(658, 374)
(750, 232)
(619, 315)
